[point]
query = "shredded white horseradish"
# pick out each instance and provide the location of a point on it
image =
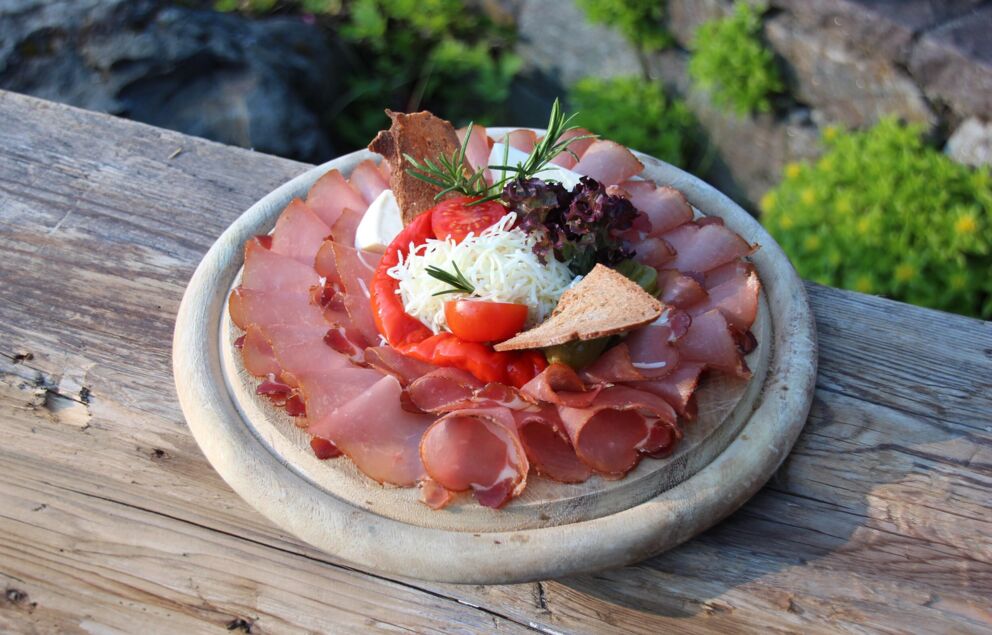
(499, 262)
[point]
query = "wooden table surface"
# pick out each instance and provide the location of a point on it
(112, 521)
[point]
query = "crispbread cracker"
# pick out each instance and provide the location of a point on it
(603, 303)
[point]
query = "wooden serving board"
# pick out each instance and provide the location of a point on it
(744, 430)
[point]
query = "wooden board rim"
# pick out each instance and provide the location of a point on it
(394, 547)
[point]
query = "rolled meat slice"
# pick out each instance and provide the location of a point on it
(369, 181)
(439, 389)
(477, 449)
(608, 162)
(361, 412)
(299, 232)
(612, 434)
(558, 384)
(547, 445)
(331, 194)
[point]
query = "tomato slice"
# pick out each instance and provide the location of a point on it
(481, 321)
(455, 218)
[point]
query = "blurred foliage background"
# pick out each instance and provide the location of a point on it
(880, 211)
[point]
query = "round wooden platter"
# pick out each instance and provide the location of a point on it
(743, 432)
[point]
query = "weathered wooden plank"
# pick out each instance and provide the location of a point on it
(878, 521)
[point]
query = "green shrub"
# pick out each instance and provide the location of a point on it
(636, 113)
(733, 64)
(880, 212)
(640, 21)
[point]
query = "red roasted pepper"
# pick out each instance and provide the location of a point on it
(411, 337)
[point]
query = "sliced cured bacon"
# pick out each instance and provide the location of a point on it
(361, 412)
(736, 298)
(438, 390)
(299, 232)
(665, 207)
(346, 227)
(257, 354)
(611, 435)
(252, 306)
(389, 360)
(478, 148)
(368, 180)
(266, 270)
(331, 194)
(479, 450)
(521, 139)
(547, 446)
(701, 249)
(558, 384)
(677, 388)
(608, 162)
(680, 290)
(654, 252)
(710, 341)
(578, 148)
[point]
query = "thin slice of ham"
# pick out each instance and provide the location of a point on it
(611, 435)
(710, 341)
(608, 162)
(680, 290)
(351, 270)
(558, 384)
(389, 360)
(703, 248)
(578, 148)
(438, 390)
(264, 308)
(654, 252)
(331, 194)
(345, 228)
(299, 232)
(257, 354)
(522, 139)
(361, 412)
(302, 350)
(266, 270)
(647, 353)
(547, 445)
(665, 207)
(434, 495)
(736, 298)
(477, 449)
(677, 389)
(479, 146)
(368, 180)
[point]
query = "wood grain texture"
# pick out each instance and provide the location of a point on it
(879, 521)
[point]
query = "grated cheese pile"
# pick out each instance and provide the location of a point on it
(499, 262)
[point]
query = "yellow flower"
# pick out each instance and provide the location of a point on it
(966, 225)
(793, 170)
(768, 201)
(905, 272)
(830, 133)
(812, 242)
(863, 284)
(808, 196)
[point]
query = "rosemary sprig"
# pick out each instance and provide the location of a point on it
(456, 280)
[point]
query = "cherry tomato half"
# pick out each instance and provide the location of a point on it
(455, 217)
(481, 321)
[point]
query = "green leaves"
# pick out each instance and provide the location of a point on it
(640, 21)
(881, 212)
(732, 63)
(635, 113)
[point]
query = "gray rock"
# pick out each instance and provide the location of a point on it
(685, 16)
(844, 83)
(953, 63)
(556, 39)
(261, 84)
(971, 143)
(878, 28)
